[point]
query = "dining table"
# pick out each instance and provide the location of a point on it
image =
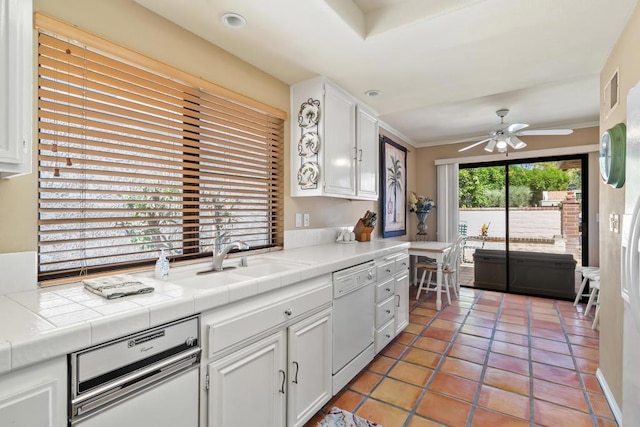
(435, 250)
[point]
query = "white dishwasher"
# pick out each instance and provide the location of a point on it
(353, 321)
(146, 379)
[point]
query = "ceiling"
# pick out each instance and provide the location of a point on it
(443, 67)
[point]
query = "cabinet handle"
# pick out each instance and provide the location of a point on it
(360, 150)
(283, 378)
(288, 312)
(295, 380)
(387, 289)
(388, 270)
(387, 335)
(355, 152)
(388, 311)
(398, 303)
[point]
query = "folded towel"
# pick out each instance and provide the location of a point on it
(117, 286)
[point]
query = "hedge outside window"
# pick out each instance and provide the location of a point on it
(133, 159)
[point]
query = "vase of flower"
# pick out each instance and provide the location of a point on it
(422, 221)
(421, 206)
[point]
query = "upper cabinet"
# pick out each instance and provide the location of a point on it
(334, 143)
(16, 75)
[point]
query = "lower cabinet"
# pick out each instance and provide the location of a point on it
(247, 388)
(402, 294)
(282, 378)
(35, 396)
(392, 298)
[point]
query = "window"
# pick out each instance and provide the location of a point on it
(133, 159)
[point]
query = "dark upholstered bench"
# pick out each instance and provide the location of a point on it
(531, 273)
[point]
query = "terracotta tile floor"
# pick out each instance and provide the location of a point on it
(488, 359)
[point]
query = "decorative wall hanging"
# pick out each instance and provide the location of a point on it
(393, 188)
(309, 144)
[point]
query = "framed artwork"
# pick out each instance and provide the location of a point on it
(393, 191)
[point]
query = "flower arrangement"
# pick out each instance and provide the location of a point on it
(420, 203)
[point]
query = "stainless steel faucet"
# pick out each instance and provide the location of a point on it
(220, 250)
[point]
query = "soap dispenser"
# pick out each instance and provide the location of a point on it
(162, 267)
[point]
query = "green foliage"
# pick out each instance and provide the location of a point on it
(479, 187)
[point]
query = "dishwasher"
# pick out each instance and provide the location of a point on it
(353, 321)
(150, 378)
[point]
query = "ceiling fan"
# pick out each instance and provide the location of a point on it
(506, 135)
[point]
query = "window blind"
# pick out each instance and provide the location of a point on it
(132, 161)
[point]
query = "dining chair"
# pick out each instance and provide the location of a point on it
(450, 268)
(587, 273)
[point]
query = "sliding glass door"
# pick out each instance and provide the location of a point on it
(530, 214)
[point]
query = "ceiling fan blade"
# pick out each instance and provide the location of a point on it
(545, 132)
(516, 143)
(490, 146)
(517, 127)
(474, 144)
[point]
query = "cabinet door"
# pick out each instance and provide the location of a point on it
(15, 86)
(35, 396)
(247, 387)
(309, 367)
(367, 165)
(339, 142)
(402, 301)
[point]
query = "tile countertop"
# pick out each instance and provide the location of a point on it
(40, 324)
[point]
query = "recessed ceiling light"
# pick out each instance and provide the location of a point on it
(372, 92)
(233, 20)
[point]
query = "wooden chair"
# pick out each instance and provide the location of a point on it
(450, 268)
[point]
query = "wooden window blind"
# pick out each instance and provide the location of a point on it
(132, 161)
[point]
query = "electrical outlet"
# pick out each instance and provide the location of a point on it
(298, 220)
(307, 220)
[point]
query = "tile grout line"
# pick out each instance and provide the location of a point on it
(476, 398)
(594, 418)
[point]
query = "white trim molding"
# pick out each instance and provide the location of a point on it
(560, 151)
(609, 396)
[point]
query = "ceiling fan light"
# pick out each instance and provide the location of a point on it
(501, 145)
(490, 146)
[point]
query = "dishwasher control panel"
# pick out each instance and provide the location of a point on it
(352, 278)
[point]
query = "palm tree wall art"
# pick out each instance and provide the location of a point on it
(393, 172)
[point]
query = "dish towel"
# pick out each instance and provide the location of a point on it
(117, 286)
(340, 418)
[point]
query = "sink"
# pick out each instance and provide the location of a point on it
(211, 280)
(266, 269)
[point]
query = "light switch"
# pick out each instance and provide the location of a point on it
(298, 220)
(306, 220)
(614, 223)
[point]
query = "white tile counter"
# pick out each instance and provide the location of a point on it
(37, 325)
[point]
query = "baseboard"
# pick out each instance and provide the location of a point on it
(609, 396)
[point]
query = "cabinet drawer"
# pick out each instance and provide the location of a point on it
(385, 289)
(257, 319)
(386, 270)
(384, 335)
(402, 263)
(385, 311)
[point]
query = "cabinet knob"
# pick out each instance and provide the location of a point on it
(288, 312)
(370, 275)
(388, 270)
(387, 335)
(387, 289)
(388, 311)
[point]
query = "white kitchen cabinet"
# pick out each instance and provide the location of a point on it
(269, 357)
(392, 298)
(334, 143)
(309, 363)
(35, 396)
(16, 77)
(247, 388)
(367, 163)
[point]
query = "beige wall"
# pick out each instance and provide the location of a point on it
(134, 27)
(426, 177)
(625, 58)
